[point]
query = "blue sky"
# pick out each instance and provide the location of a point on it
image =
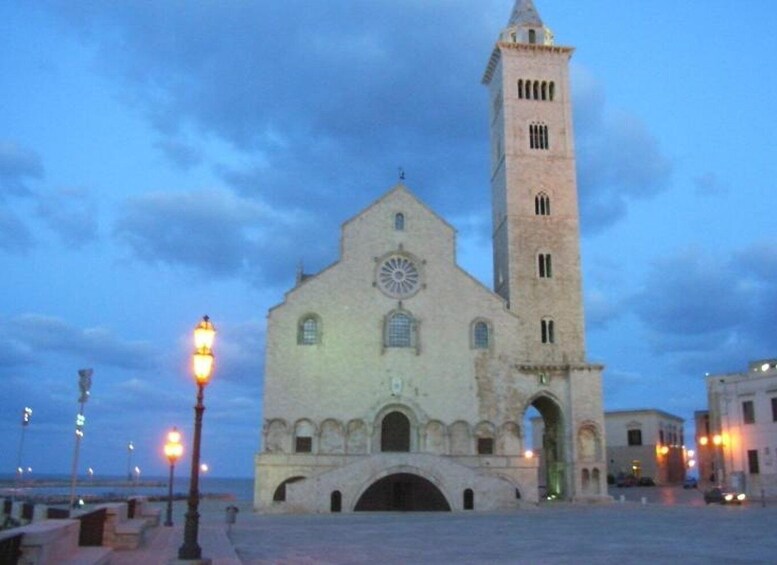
(164, 160)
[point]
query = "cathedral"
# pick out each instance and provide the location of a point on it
(396, 381)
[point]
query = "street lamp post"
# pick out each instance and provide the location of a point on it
(202, 362)
(130, 449)
(84, 385)
(26, 416)
(173, 452)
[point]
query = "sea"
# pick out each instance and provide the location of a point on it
(235, 488)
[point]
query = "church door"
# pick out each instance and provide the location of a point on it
(395, 432)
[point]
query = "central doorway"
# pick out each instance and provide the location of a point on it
(402, 492)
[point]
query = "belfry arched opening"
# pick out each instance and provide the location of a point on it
(402, 492)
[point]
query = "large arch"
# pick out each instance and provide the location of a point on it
(405, 492)
(552, 456)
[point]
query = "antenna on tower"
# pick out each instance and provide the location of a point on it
(401, 173)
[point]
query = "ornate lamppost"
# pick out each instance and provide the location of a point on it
(202, 362)
(173, 452)
(84, 385)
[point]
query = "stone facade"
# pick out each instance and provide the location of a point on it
(646, 443)
(396, 381)
(742, 438)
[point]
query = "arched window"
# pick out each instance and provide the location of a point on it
(532, 36)
(547, 331)
(399, 221)
(544, 90)
(520, 88)
(400, 330)
(542, 204)
(544, 266)
(481, 336)
(336, 501)
(538, 136)
(536, 88)
(551, 91)
(309, 331)
(395, 432)
(469, 499)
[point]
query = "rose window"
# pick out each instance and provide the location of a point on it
(398, 277)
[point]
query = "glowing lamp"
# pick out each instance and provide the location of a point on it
(202, 364)
(717, 439)
(204, 334)
(528, 454)
(703, 440)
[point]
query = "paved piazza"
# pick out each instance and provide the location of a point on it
(673, 526)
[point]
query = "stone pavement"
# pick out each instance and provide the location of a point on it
(673, 526)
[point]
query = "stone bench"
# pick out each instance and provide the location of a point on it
(56, 542)
(120, 531)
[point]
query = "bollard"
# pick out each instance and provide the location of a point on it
(231, 516)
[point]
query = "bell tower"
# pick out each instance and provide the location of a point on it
(536, 239)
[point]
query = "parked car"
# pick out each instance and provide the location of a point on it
(721, 495)
(626, 481)
(691, 482)
(646, 482)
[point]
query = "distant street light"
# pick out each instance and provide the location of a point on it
(202, 361)
(173, 452)
(26, 417)
(130, 449)
(84, 385)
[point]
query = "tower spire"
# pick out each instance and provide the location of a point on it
(525, 14)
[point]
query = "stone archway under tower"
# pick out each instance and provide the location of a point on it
(405, 492)
(548, 443)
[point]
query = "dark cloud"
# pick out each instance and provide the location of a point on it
(15, 237)
(241, 353)
(214, 232)
(180, 154)
(709, 184)
(71, 214)
(712, 311)
(44, 334)
(18, 166)
(618, 158)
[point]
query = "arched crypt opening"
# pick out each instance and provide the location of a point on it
(403, 492)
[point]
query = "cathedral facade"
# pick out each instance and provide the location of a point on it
(396, 381)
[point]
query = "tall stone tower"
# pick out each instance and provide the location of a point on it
(534, 190)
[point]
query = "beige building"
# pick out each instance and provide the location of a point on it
(396, 381)
(645, 443)
(743, 428)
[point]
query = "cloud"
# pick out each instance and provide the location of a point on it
(44, 334)
(71, 214)
(18, 165)
(212, 231)
(618, 159)
(709, 184)
(14, 235)
(182, 155)
(712, 310)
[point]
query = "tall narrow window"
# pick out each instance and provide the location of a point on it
(400, 330)
(532, 36)
(551, 90)
(480, 335)
(774, 409)
(536, 89)
(547, 331)
(544, 266)
(469, 499)
(544, 90)
(748, 412)
(399, 222)
(308, 332)
(520, 88)
(752, 461)
(542, 204)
